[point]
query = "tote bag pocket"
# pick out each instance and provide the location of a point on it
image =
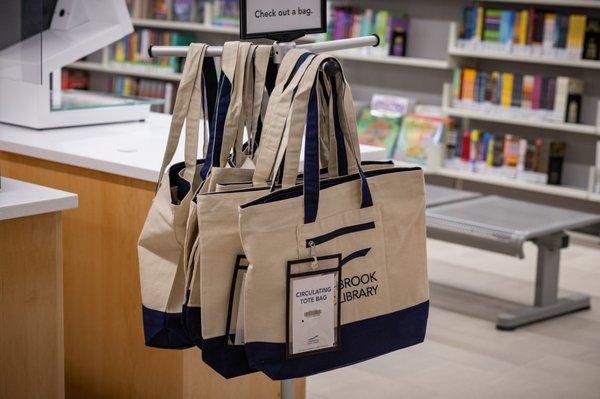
(358, 236)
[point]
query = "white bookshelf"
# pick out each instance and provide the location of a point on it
(392, 60)
(503, 119)
(561, 191)
(459, 52)
(124, 70)
(183, 26)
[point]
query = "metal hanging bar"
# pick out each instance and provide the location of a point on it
(216, 51)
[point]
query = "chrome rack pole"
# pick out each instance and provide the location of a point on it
(216, 51)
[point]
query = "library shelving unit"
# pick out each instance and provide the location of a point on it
(450, 57)
(456, 51)
(526, 122)
(124, 70)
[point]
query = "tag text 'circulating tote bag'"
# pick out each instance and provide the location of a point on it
(160, 246)
(375, 222)
(241, 62)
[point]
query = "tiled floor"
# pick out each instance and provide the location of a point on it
(464, 356)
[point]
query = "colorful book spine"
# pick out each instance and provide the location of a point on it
(576, 34)
(507, 89)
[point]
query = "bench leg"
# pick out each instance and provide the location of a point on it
(546, 302)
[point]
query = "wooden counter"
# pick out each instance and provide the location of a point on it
(31, 290)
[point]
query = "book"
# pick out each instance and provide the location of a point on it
(465, 147)
(399, 27)
(528, 88)
(491, 24)
(161, 9)
(549, 31)
(457, 83)
(182, 10)
(591, 44)
(555, 161)
(576, 35)
(507, 89)
(479, 22)
(377, 130)
(574, 99)
(468, 85)
(561, 98)
(507, 21)
(417, 134)
(537, 92)
(517, 90)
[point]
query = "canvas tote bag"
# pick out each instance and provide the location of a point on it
(245, 68)
(162, 237)
(219, 243)
(372, 226)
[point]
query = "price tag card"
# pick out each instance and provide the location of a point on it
(235, 312)
(313, 305)
(282, 19)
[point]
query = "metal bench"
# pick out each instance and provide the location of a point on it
(503, 225)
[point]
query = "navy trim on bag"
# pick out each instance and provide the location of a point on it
(228, 361)
(361, 340)
(193, 324)
(339, 134)
(339, 232)
(354, 255)
(296, 191)
(176, 181)
(164, 330)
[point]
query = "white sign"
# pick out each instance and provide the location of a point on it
(263, 17)
(313, 313)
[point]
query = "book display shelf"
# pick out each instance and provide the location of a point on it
(423, 66)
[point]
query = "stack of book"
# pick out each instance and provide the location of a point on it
(131, 52)
(530, 32)
(73, 79)
(146, 88)
(392, 28)
(553, 99)
(210, 12)
(534, 161)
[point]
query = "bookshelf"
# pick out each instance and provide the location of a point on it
(421, 76)
(561, 191)
(124, 70)
(455, 51)
(183, 26)
(492, 117)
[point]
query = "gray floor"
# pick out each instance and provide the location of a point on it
(464, 356)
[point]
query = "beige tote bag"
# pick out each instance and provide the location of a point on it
(160, 246)
(337, 269)
(242, 85)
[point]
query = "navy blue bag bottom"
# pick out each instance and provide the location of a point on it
(361, 340)
(192, 323)
(165, 330)
(228, 360)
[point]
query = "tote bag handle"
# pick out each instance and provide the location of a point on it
(189, 92)
(339, 142)
(311, 183)
(292, 69)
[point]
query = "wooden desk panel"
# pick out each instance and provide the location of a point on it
(31, 328)
(105, 354)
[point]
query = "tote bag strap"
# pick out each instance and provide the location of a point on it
(257, 66)
(292, 69)
(311, 183)
(190, 80)
(233, 127)
(229, 61)
(338, 158)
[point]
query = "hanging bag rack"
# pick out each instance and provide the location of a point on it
(279, 48)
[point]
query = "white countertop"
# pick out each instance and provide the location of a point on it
(132, 149)
(20, 199)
